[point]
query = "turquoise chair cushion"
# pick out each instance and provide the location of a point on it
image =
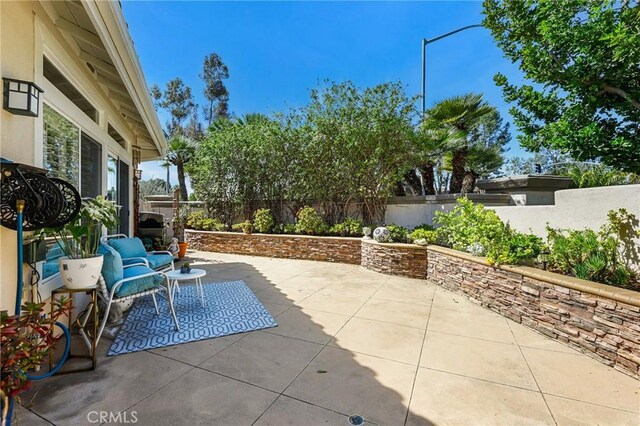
(139, 285)
(156, 261)
(159, 260)
(133, 260)
(128, 247)
(112, 270)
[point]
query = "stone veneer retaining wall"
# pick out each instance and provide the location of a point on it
(407, 260)
(326, 249)
(600, 320)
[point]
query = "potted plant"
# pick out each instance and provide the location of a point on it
(185, 268)
(79, 240)
(26, 342)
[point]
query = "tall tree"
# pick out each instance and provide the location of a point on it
(180, 151)
(462, 114)
(214, 71)
(178, 101)
(583, 58)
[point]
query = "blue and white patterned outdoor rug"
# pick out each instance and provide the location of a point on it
(230, 308)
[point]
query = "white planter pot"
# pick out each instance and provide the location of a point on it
(80, 273)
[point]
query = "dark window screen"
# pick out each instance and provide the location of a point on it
(90, 167)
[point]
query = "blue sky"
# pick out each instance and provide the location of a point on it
(277, 51)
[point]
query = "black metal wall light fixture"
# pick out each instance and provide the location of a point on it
(21, 97)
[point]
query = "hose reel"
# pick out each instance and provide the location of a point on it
(29, 201)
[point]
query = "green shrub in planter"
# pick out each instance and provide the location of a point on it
(468, 225)
(597, 256)
(514, 248)
(309, 222)
(425, 227)
(289, 228)
(349, 228)
(210, 224)
(429, 235)
(195, 220)
(263, 221)
(398, 233)
(471, 228)
(245, 227)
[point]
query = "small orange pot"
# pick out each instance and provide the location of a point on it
(183, 249)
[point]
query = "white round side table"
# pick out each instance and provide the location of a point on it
(196, 274)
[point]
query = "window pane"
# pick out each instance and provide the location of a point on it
(61, 145)
(50, 267)
(90, 167)
(112, 185)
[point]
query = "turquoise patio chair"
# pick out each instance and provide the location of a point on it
(119, 282)
(132, 251)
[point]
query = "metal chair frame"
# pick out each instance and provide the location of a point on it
(109, 296)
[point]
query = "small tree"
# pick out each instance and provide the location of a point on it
(214, 71)
(178, 101)
(584, 60)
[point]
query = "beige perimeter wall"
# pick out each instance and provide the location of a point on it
(575, 209)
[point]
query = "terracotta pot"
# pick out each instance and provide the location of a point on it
(183, 250)
(80, 273)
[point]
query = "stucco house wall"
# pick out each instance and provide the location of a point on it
(31, 30)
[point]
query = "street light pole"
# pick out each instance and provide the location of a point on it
(425, 42)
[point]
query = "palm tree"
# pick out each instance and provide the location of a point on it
(433, 143)
(481, 161)
(180, 151)
(461, 114)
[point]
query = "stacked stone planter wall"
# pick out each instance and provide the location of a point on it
(407, 260)
(600, 320)
(326, 249)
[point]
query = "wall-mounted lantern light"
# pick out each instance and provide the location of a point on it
(138, 174)
(21, 97)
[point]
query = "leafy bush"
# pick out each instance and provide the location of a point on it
(200, 222)
(600, 175)
(514, 248)
(424, 226)
(263, 221)
(289, 228)
(398, 233)
(468, 224)
(194, 220)
(349, 228)
(309, 222)
(472, 228)
(210, 224)
(596, 256)
(430, 236)
(245, 227)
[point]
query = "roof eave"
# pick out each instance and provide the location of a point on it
(111, 27)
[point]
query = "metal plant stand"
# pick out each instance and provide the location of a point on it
(89, 338)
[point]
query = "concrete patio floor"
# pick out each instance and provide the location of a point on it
(393, 350)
